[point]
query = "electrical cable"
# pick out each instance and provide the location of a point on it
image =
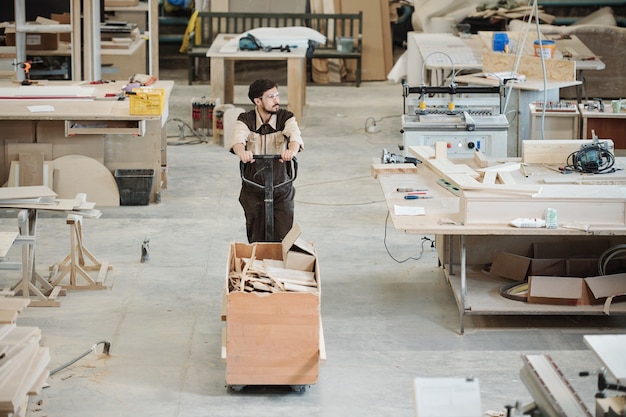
(517, 291)
(608, 255)
(181, 135)
(594, 158)
(520, 48)
(424, 240)
(373, 127)
(338, 204)
(105, 350)
(426, 60)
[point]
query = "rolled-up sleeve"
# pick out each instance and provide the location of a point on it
(240, 135)
(292, 131)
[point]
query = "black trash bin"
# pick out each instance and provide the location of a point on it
(134, 186)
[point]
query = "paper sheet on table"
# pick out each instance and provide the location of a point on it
(447, 397)
(40, 109)
(408, 210)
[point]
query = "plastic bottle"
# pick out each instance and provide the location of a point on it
(528, 222)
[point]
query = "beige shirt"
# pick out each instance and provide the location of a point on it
(269, 144)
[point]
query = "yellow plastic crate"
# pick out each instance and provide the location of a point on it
(147, 101)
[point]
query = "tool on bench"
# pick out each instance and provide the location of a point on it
(409, 190)
(269, 187)
(25, 66)
(249, 42)
(415, 197)
(281, 48)
(392, 158)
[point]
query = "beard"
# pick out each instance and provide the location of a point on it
(272, 110)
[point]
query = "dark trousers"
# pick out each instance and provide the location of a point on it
(253, 203)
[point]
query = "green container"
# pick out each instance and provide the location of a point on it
(345, 44)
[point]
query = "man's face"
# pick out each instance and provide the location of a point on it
(270, 101)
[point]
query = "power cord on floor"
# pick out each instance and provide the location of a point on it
(317, 203)
(372, 127)
(200, 138)
(105, 350)
(424, 240)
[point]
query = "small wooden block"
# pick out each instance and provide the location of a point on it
(480, 160)
(381, 169)
(441, 150)
(506, 177)
(490, 177)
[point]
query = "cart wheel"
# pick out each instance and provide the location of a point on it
(299, 388)
(236, 388)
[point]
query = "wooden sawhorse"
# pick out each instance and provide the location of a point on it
(74, 263)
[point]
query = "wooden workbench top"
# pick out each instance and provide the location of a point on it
(84, 101)
(442, 211)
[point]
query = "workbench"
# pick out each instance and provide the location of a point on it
(464, 249)
(223, 71)
(91, 125)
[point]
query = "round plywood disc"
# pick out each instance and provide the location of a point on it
(75, 174)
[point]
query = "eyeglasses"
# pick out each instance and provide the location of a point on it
(272, 96)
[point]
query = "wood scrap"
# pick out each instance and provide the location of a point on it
(506, 178)
(489, 177)
(507, 13)
(244, 273)
(480, 159)
(390, 169)
(256, 276)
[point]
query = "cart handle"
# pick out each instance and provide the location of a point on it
(268, 160)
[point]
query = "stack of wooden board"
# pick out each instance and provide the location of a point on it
(23, 362)
(41, 197)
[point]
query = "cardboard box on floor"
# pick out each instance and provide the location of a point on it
(562, 258)
(560, 272)
(576, 291)
(558, 291)
(273, 338)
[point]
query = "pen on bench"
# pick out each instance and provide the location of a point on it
(408, 190)
(414, 197)
(416, 192)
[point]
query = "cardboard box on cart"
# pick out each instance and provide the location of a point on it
(273, 338)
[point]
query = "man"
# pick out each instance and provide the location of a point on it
(266, 130)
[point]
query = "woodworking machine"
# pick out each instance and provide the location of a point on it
(465, 123)
(553, 394)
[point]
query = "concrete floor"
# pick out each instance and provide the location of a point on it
(385, 321)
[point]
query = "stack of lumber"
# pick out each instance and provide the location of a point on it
(270, 276)
(504, 13)
(23, 362)
(43, 198)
